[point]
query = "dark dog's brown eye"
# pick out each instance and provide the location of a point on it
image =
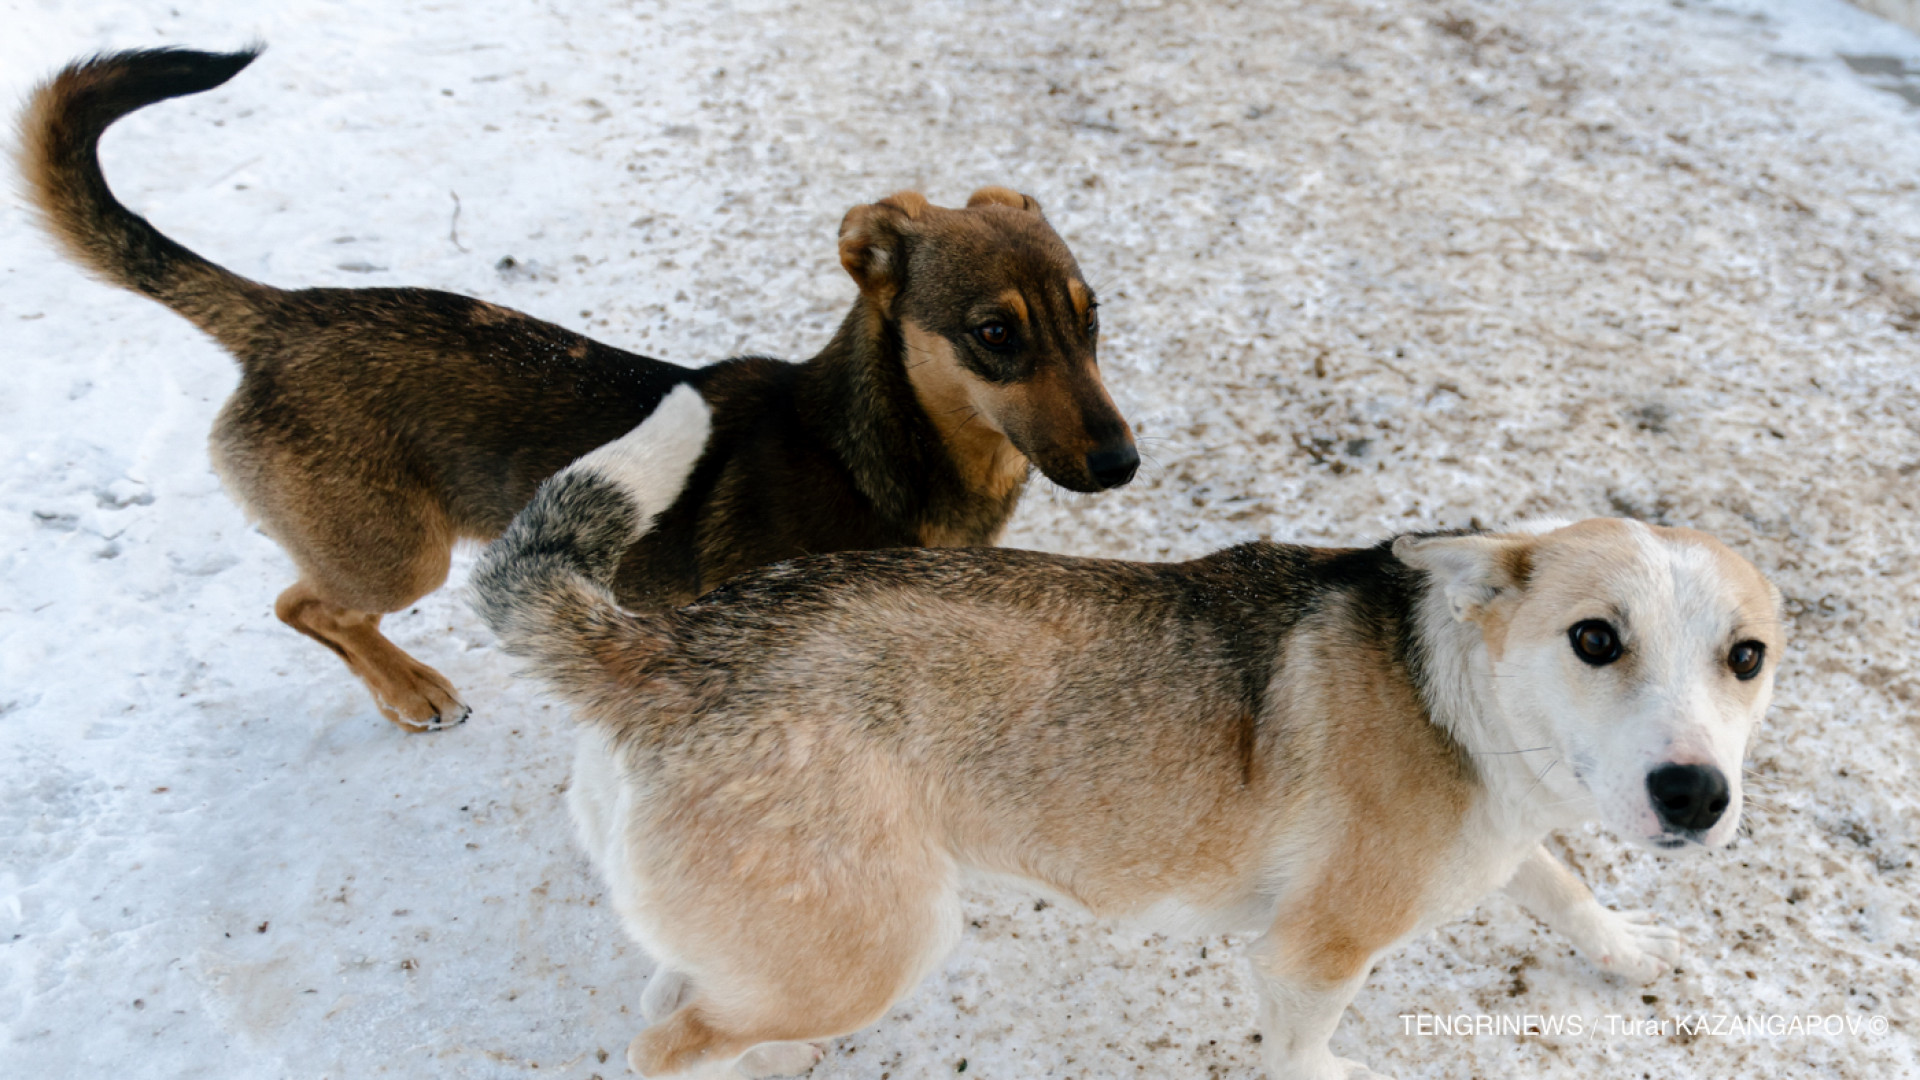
(994, 335)
(1093, 320)
(1595, 642)
(1745, 659)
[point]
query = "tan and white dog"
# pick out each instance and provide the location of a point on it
(1336, 749)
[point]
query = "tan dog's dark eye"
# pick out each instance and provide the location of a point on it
(1745, 659)
(994, 335)
(1595, 642)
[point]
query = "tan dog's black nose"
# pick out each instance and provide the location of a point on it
(1113, 466)
(1688, 798)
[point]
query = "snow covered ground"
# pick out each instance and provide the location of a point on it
(1366, 266)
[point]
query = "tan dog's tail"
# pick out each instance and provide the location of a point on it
(546, 586)
(59, 158)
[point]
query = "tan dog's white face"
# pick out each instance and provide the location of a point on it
(1639, 657)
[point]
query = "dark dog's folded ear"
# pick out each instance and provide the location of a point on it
(871, 243)
(1004, 197)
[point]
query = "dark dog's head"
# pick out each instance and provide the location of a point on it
(999, 330)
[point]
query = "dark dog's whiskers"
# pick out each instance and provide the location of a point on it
(1143, 440)
(929, 354)
(1159, 468)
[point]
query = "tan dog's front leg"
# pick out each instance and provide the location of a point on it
(1626, 943)
(1298, 1012)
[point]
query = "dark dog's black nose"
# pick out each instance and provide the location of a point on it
(1688, 798)
(1111, 468)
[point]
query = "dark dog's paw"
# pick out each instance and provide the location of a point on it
(443, 721)
(419, 699)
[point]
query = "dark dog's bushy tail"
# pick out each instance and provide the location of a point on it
(546, 586)
(59, 158)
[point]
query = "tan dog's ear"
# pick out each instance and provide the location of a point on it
(1004, 197)
(871, 243)
(1473, 571)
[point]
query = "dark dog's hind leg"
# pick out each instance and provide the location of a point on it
(369, 535)
(408, 692)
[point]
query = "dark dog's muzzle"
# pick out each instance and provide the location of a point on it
(1113, 466)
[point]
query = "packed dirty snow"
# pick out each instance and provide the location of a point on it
(1366, 268)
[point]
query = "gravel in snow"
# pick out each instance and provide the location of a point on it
(1366, 267)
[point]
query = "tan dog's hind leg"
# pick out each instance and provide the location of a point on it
(791, 900)
(687, 1047)
(409, 693)
(1625, 943)
(665, 993)
(778, 1059)
(1298, 1013)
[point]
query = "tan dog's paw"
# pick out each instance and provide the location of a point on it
(779, 1059)
(1632, 945)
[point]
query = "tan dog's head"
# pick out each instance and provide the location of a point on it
(1641, 657)
(999, 329)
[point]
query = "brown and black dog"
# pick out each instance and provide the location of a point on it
(372, 428)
